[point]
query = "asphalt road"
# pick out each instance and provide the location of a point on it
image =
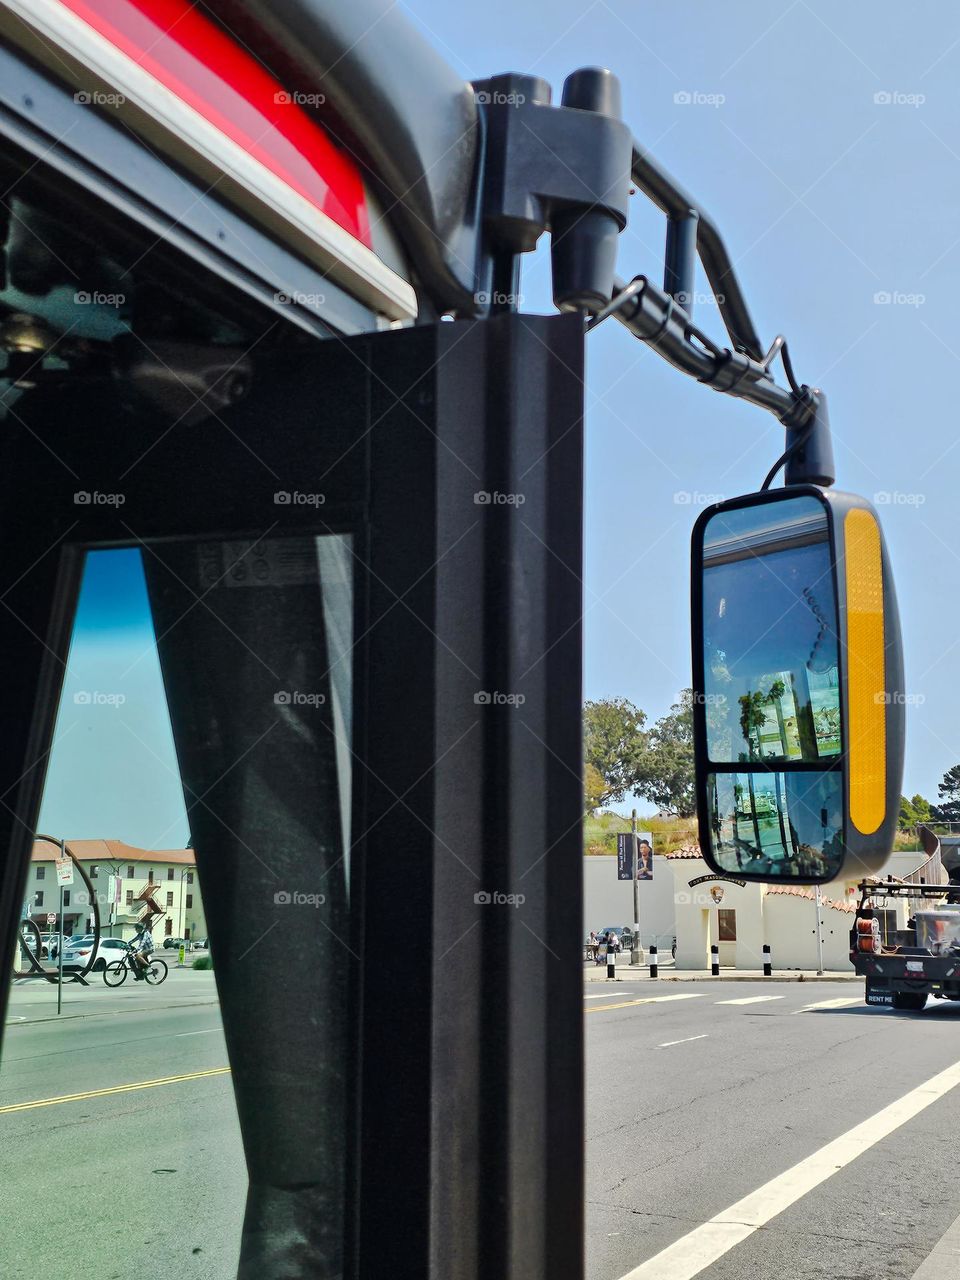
(139, 1181)
(695, 1103)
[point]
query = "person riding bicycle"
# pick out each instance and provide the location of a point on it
(141, 947)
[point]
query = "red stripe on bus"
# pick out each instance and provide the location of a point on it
(199, 62)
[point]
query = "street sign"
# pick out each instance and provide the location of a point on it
(65, 872)
(51, 917)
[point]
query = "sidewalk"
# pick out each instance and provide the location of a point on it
(35, 1001)
(641, 973)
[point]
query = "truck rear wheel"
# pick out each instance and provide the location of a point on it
(912, 1001)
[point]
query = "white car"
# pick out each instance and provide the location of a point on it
(76, 954)
(52, 941)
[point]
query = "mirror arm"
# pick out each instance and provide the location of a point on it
(655, 317)
(691, 230)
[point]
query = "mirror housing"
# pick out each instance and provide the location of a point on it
(797, 687)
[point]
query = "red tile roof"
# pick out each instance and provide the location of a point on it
(112, 851)
(797, 892)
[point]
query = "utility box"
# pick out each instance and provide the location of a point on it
(939, 931)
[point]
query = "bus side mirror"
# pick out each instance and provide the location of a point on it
(798, 687)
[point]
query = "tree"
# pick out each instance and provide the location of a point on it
(914, 811)
(615, 745)
(670, 784)
(593, 788)
(948, 810)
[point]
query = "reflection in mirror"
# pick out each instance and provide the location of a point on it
(777, 824)
(771, 681)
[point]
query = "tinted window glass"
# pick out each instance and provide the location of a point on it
(771, 679)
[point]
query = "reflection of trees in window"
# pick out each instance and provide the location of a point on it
(719, 733)
(753, 717)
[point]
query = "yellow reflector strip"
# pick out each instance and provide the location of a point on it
(866, 679)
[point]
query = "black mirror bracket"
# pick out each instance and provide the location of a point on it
(808, 457)
(564, 169)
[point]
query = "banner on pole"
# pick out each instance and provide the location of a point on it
(625, 867)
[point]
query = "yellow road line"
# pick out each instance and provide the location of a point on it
(117, 1088)
(624, 1004)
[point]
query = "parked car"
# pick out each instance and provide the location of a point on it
(623, 932)
(199, 944)
(69, 940)
(176, 942)
(77, 952)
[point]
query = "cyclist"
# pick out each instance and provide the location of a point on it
(141, 947)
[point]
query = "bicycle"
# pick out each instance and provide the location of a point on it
(115, 974)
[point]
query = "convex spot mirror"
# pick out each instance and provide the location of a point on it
(798, 687)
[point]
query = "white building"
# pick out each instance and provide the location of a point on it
(168, 877)
(608, 902)
(688, 901)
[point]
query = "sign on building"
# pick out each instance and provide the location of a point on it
(625, 855)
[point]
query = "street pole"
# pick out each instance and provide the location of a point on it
(636, 952)
(63, 854)
(819, 933)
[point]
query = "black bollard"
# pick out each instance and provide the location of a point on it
(611, 963)
(715, 960)
(767, 966)
(653, 961)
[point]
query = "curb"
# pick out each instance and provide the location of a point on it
(741, 977)
(16, 1021)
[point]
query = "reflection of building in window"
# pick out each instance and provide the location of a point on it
(727, 924)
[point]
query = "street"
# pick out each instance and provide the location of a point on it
(713, 1090)
(699, 1094)
(146, 1177)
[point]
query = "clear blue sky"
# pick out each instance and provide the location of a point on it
(112, 771)
(826, 197)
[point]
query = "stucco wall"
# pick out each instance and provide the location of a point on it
(609, 901)
(791, 925)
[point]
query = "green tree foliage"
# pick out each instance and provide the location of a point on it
(615, 746)
(670, 782)
(594, 788)
(914, 811)
(948, 810)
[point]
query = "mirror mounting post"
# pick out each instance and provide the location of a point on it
(808, 458)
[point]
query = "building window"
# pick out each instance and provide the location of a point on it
(39, 897)
(66, 897)
(129, 897)
(150, 876)
(93, 871)
(129, 873)
(169, 873)
(41, 873)
(168, 927)
(169, 899)
(189, 900)
(728, 924)
(189, 877)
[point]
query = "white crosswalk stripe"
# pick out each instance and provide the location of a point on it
(749, 1000)
(842, 1003)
